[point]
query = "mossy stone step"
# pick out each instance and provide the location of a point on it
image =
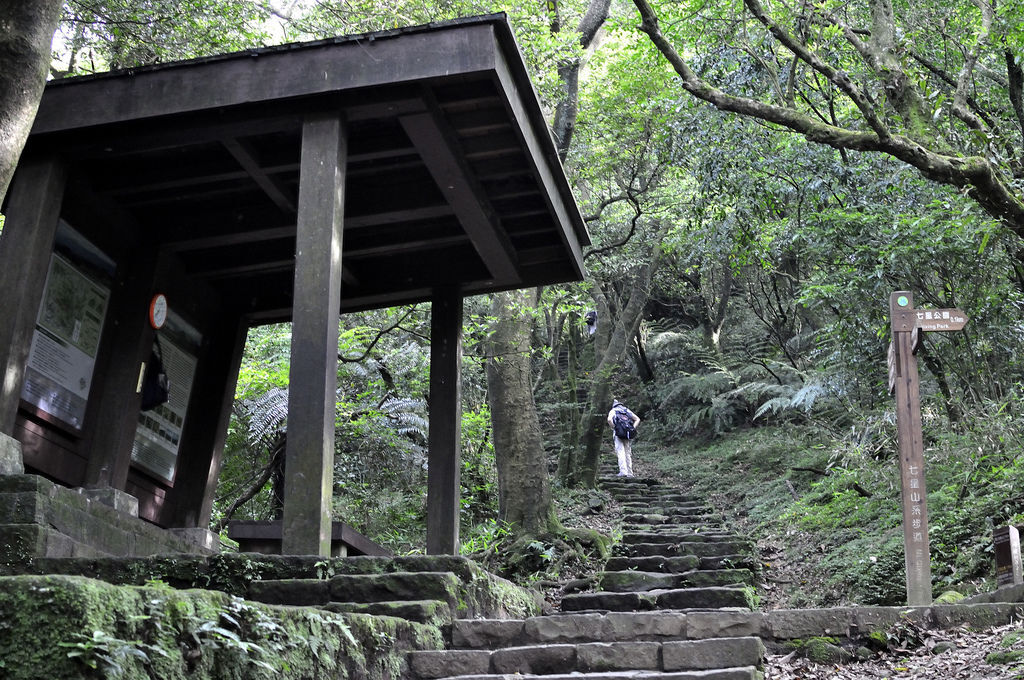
(434, 612)
(569, 628)
(667, 518)
(746, 561)
(683, 598)
(642, 581)
(423, 585)
(654, 496)
(745, 673)
(660, 508)
(700, 549)
(682, 537)
(712, 526)
(590, 657)
(681, 563)
(670, 565)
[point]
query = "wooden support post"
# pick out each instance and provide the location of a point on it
(113, 415)
(314, 355)
(904, 379)
(33, 210)
(444, 441)
(190, 501)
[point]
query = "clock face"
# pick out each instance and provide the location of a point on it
(158, 311)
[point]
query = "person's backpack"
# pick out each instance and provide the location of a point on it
(623, 424)
(155, 386)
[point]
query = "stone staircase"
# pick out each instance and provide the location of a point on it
(673, 604)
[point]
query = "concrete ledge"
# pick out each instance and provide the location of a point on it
(1014, 593)
(204, 538)
(11, 461)
(121, 501)
(44, 519)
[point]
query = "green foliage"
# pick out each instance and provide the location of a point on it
(101, 35)
(108, 654)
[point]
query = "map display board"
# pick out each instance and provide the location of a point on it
(158, 432)
(64, 346)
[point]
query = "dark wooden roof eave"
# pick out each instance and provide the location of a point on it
(266, 91)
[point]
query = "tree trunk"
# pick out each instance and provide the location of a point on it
(26, 32)
(524, 493)
(621, 319)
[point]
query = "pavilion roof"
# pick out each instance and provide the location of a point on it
(452, 178)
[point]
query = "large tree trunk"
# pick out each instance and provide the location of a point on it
(26, 32)
(524, 493)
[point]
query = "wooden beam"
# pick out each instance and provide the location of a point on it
(235, 238)
(272, 187)
(323, 69)
(32, 210)
(229, 270)
(439, 149)
(428, 212)
(523, 107)
(444, 440)
(314, 351)
(407, 246)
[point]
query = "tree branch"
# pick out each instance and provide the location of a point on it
(380, 334)
(976, 174)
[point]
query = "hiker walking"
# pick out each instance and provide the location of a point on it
(623, 423)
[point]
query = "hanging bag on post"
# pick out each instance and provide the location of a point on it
(156, 387)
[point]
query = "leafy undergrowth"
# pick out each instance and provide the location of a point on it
(556, 564)
(825, 508)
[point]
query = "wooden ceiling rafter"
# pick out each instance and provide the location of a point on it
(441, 153)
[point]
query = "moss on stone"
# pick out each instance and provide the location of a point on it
(1007, 657)
(949, 597)
(823, 650)
(60, 626)
(1012, 639)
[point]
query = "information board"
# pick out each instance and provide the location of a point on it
(158, 432)
(58, 375)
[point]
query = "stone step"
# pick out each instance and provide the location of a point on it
(744, 561)
(744, 673)
(663, 496)
(684, 526)
(687, 536)
(683, 598)
(443, 586)
(658, 518)
(658, 626)
(659, 507)
(615, 478)
(433, 612)
(570, 628)
(669, 565)
(700, 549)
(589, 657)
(657, 496)
(643, 581)
(680, 563)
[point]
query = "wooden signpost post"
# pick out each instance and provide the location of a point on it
(907, 325)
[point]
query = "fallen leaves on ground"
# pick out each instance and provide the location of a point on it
(965, 661)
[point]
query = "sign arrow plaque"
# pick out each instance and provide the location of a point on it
(940, 319)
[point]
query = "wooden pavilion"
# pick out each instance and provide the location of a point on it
(286, 183)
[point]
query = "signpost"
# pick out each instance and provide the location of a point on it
(907, 325)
